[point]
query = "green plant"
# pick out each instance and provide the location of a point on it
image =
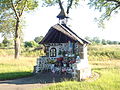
(30, 44)
(11, 69)
(101, 52)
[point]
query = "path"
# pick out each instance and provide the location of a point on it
(36, 81)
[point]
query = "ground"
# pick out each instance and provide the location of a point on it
(30, 83)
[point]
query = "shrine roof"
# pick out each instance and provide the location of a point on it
(62, 34)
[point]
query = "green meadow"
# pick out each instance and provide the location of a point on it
(104, 60)
(11, 68)
(109, 78)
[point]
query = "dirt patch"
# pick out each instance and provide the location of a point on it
(19, 87)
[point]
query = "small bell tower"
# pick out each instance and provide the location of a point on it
(63, 17)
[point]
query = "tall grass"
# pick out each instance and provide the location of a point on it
(104, 52)
(25, 53)
(35, 53)
(10, 68)
(95, 52)
(6, 52)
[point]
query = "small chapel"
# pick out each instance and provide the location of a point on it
(66, 52)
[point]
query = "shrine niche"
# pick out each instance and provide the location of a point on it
(65, 51)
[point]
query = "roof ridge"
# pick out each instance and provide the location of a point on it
(72, 33)
(75, 34)
(64, 30)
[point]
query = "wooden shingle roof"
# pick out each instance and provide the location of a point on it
(62, 34)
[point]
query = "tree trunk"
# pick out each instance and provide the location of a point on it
(17, 40)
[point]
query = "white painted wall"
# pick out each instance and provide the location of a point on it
(85, 54)
(85, 51)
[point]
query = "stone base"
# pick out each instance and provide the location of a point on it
(83, 73)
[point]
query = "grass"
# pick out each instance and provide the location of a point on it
(6, 52)
(96, 52)
(103, 59)
(11, 69)
(25, 53)
(109, 78)
(104, 52)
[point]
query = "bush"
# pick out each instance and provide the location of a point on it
(30, 44)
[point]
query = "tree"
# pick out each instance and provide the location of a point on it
(104, 42)
(38, 39)
(16, 8)
(7, 24)
(119, 43)
(115, 42)
(30, 44)
(109, 42)
(6, 42)
(107, 7)
(69, 4)
(96, 40)
(88, 38)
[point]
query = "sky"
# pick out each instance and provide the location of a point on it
(81, 22)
